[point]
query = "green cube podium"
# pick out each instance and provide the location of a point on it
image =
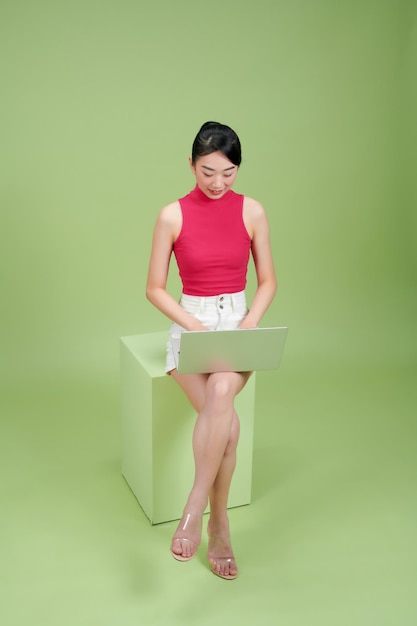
(157, 427)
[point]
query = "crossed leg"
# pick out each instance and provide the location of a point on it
(215, 439)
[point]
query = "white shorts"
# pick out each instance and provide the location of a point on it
(223, 312)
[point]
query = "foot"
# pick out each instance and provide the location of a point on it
(220, 553)
(187, 537)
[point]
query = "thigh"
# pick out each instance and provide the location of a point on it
(194, 386)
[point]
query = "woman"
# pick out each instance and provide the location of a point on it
(212, 231)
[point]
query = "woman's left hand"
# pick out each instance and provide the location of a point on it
(247, 322)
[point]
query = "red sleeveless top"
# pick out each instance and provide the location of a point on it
(213, 247)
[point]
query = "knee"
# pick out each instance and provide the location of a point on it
(220, 387)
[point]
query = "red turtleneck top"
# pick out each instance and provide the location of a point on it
(213, 247)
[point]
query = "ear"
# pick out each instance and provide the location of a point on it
(192, 166)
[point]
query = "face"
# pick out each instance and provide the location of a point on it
(214, 174)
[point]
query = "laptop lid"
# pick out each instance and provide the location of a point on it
(238, 350)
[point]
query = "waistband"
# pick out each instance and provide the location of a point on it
(235, 300)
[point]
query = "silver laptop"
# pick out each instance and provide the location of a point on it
(239, 350)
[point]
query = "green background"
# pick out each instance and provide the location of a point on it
(100, 102)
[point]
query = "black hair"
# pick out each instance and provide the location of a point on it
(215, 137)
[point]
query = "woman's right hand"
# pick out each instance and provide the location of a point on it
(195, 324)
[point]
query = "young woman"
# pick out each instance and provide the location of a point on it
(211, 231)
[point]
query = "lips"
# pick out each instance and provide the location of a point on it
(216, 192)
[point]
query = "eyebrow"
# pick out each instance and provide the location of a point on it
(211, 169)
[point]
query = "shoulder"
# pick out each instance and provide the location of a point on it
(170, 213)
(254, 215)
(253, 207)
(170, 219)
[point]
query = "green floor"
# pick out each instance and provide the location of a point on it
(329, 539)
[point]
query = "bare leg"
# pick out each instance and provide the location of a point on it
(219, 491)
(220, 553)
(188, 534)
(215, 439)
(212, 432)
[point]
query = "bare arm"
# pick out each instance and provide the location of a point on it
(167, 228)
(257, 224)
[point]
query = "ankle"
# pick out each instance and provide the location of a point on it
(218, 524)
(195, 506)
